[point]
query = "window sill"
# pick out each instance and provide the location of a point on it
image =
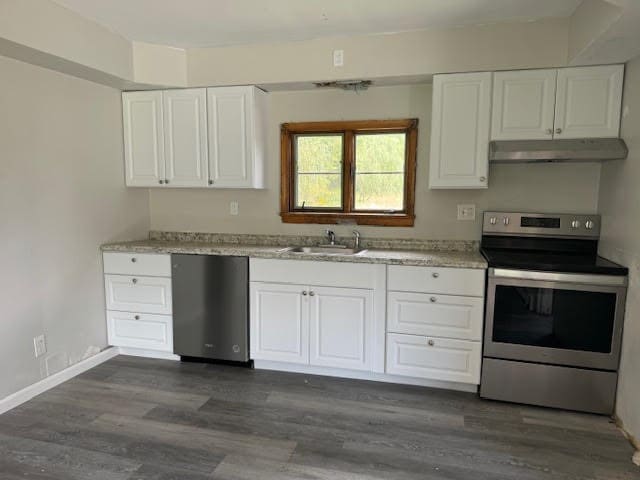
(379, 219)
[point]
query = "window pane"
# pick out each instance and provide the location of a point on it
(318, 164)
(380, 170)
(379, 191)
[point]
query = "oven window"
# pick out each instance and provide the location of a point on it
(554, 318)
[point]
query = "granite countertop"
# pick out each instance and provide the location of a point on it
(390, 256)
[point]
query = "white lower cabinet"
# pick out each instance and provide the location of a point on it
(140, 330)
(138, 294)
(341, 327)
(279, 323)
(434, 358)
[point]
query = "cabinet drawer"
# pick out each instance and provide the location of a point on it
(432, 314)
(449, 281)
(148, 264)
(138, 294)
(140, 330)
(434, 358)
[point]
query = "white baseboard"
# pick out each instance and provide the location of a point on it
(51, 381)
(138, 352)
(360, 375)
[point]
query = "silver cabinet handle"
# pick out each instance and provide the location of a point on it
(312, 293)
(137, 317)
(549, 131)
(482, 179)
(210, 182)
(435, 274)
(160, 182)
(431, 343)
(134, 280)
(304, 292)
(166, 182)
(433, 299)
(558, 130)
(134, 259)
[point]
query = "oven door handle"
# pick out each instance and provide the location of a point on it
(583, 278)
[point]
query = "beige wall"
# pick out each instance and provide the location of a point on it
(620, 209)
(547, 187)
(62, 194)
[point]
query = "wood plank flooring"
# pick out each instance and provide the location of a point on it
(142, 419)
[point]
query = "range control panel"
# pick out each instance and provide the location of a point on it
(540, 224)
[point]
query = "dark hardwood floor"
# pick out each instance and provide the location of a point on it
(133, 418)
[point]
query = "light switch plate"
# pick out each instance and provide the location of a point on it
(233, 208)
(39, 345)
(467, 212)
(338, 58)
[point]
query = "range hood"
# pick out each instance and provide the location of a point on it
(565, 150)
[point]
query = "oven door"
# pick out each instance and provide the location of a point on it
(555, 318)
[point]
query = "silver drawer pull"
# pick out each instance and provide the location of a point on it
(137, 317)
(312, 293)
(433, 299)
(431, 343)
(134, 259)
(435, 274)
(135, 280)
(304, 292)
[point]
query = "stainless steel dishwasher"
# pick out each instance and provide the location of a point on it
(211, 307)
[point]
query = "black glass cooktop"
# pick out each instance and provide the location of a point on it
(552, 261)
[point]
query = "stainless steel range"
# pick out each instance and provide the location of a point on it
(554, 312)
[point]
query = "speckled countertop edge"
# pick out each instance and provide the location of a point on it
(391, 256)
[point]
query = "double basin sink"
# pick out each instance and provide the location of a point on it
(324, 250)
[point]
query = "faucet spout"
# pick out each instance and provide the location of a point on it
(331, 236)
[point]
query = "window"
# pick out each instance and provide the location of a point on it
(360, 171)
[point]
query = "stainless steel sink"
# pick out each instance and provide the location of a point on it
(324, 250)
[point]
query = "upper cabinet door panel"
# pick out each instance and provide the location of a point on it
(185, 122)
(230, 133)
(588, 101)
(523, 105)
(460, 130)
(143, 138)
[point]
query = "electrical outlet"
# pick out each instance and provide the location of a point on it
(233, 208)
(467, 212)
(39, 345)
(338, 58)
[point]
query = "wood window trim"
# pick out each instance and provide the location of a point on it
(348, 128)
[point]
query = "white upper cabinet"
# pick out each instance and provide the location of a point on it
(461, 117)
(143, 138)
(523, 105)
(236, 137)
(197, 137)
(588, 101)
(185, 137)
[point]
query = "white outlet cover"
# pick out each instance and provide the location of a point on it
(338, 58)
(467, 212)
(233, 208)
(39, 345)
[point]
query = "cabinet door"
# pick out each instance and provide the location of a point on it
(140, 330)
(185, 137)
(341, 327)
(230, 137)
(588, 101)
(279, 322)
(143, 139)
(523, 105)
(434, 358)
(460, 124)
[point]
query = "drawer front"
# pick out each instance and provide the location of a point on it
(434, 358)
(303, 272)
(148, 264)
(140, 330)
(127, 293)
(436, 315)
(449, 281)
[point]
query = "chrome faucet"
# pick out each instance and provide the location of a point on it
(356, 240)
(331, 236)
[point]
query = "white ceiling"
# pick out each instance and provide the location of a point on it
(200, 23)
